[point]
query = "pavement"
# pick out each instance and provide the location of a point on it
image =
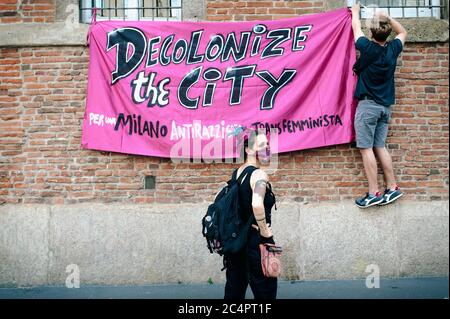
(397, 288)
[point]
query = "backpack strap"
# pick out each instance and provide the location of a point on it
(272, 193)
(244, 173)
(233, 176)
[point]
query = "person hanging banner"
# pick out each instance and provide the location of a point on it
(181, 89)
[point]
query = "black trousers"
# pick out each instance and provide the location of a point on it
(245, 268)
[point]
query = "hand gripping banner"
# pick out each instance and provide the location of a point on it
(180, 89)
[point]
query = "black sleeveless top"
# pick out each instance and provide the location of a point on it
(246, 194)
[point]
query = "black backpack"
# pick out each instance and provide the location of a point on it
(222, 226)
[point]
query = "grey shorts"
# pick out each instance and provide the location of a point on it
(371, 124)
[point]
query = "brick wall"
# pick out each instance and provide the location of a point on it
(28, 11)
(42, 91)
(259, 10)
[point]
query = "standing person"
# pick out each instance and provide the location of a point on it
(375, 91)
(255, 199)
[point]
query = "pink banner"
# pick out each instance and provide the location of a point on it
(178, 89)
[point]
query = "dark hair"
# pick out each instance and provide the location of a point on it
(249, 139)
(380, 28)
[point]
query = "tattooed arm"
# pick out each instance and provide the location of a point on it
(258, 183)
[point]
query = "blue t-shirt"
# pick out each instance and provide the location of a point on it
(377, 77)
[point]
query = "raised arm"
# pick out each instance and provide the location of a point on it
(396, 27)
(399, 30)
(356, 22)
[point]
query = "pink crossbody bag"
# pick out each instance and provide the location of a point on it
(270, 260)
